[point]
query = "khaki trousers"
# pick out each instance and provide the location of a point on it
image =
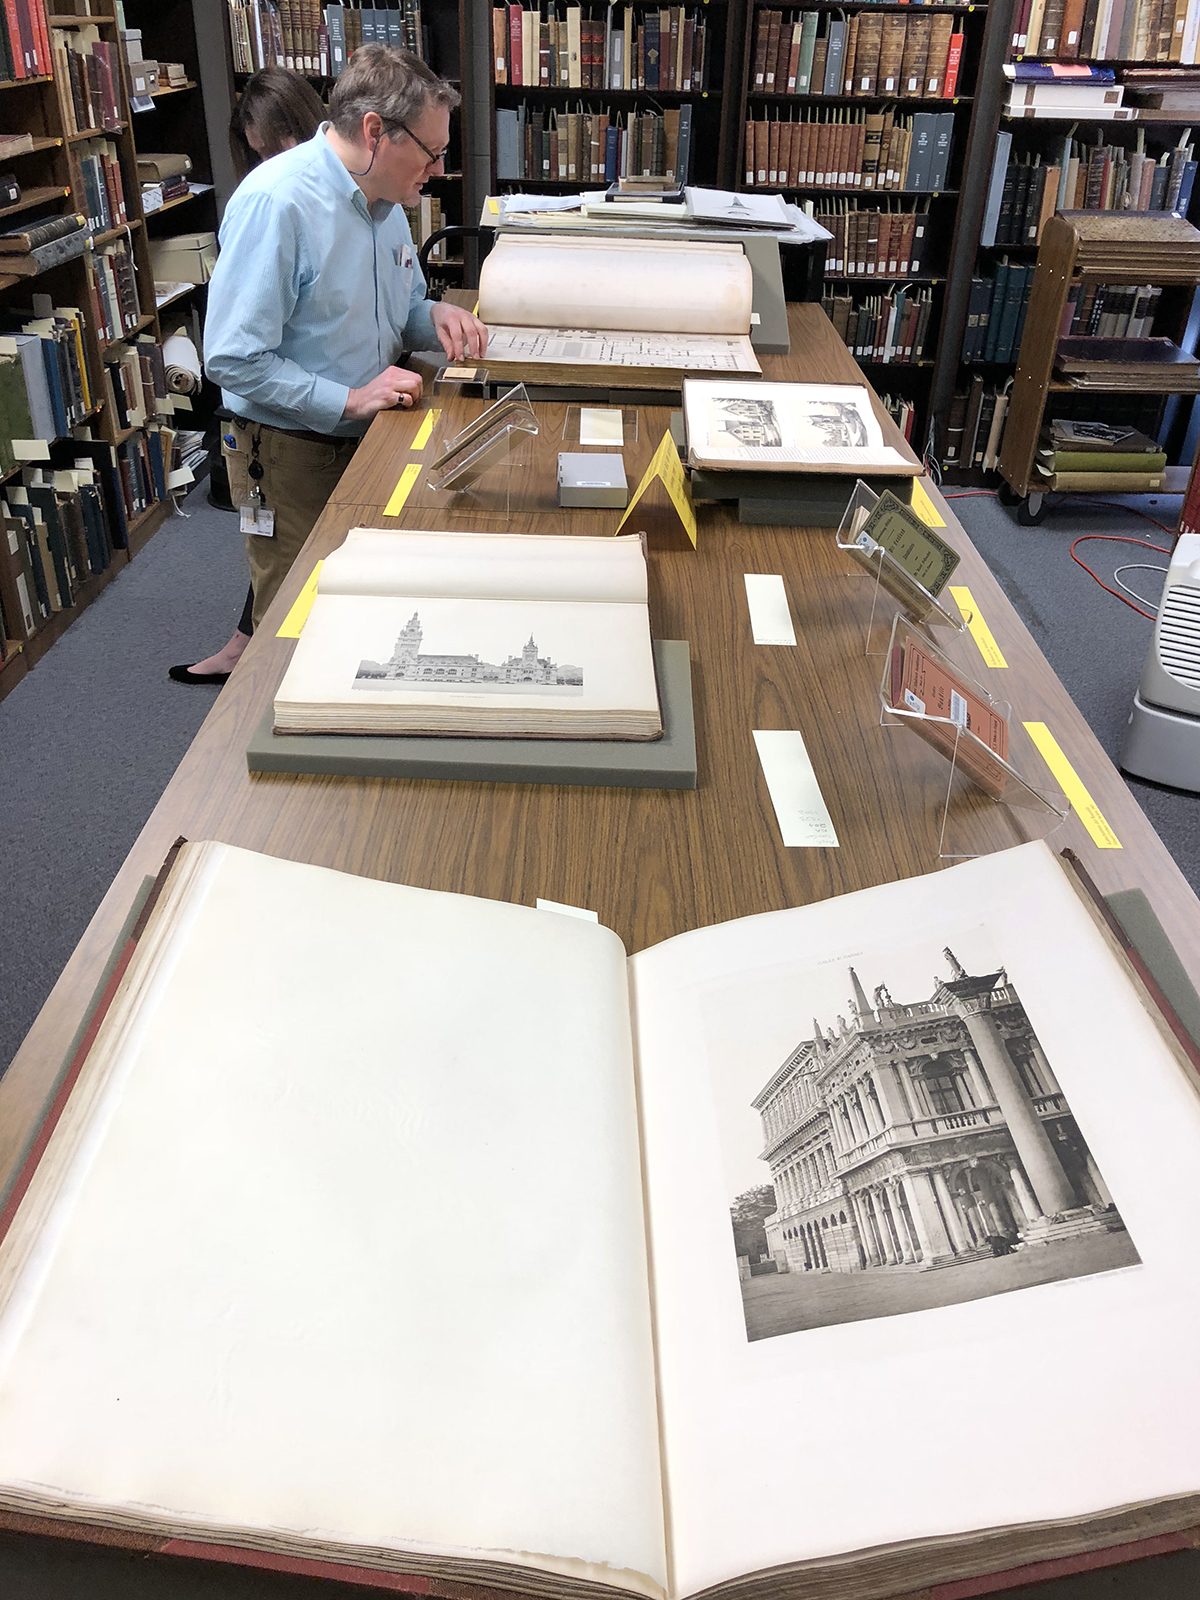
(299, 475)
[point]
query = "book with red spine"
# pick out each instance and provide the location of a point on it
(953, 61)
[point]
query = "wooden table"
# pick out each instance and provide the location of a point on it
(651, 863)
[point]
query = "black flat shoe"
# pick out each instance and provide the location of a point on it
(186, 675)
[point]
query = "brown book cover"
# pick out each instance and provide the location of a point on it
(893, 47)
(866, 60)
(762, 29)
(773, 154)
(771, 51)
(793, 60)
(761, 138)
(500, 44)
(849, 50)
(748, 161)
(923, 685)
(1072, 22)
(687, 47)
(940, 29)
(873, 150)
(817, 76)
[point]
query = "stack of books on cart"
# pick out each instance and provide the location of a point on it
(1150, 366)
(1100, 456)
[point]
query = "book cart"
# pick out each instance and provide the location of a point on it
(1078, 249)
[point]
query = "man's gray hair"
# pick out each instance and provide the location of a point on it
(395, 84)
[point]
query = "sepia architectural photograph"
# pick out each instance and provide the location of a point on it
(916, 1150)
(409, 666)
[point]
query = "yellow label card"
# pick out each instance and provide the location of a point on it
(666, 466)
(980, 632)
(403, 489)
(924, 506)
(425, 432)
(1071, 784)
(293, 624)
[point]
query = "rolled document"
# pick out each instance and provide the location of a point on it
(182, 361)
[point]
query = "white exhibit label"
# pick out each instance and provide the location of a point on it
(800, 809)
(601, 425)
(770, 619)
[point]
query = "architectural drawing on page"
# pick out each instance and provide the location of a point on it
(583, 347)
(913, 1149)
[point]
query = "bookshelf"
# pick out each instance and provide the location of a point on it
(87, 489)
(316, 40)
(581, 94)
(1071, 153)
(867, 115)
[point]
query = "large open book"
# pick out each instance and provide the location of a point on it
(787, 427)
(644, 311)
(492, 634)
(825, 1253)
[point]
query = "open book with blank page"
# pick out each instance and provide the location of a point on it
(420, 1234)
(485, 634)
(602, 311)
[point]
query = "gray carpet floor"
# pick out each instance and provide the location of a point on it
(89, 740)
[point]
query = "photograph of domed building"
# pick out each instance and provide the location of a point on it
(408, 666)
(918, 1153)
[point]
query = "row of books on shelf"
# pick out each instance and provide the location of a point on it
(890, 329)
(870, 243)
(101, 186)
(424, 220)
(974, 432)
(593, 146)
(903, 412)
(996, 309)
(871, 53)
(24, 41)
(620, 48)
(850, 149)
(1110, 310)
(316, 41)
(88, 69)
(1027, 189)
(112, 289)
(1109, 30)
(46, 388)
(61, 525)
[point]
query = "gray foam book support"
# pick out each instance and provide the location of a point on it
(666, 763)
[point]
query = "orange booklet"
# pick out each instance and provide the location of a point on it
(921, 683)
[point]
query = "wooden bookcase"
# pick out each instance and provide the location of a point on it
(444, 29)
(1079, 248)
(951, 208)
(711, 160)
(1044, 136)
(51, 183)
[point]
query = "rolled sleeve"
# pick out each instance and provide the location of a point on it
(253, 292)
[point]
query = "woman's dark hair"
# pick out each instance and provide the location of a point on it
(280, 106)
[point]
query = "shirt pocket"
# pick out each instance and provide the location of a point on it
(398, 268)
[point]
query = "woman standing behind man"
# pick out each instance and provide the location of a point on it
(277, 110)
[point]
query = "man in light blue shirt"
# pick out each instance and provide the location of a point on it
(316, 295)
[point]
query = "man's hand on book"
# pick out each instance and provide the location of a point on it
(460, 334)
(393, 387)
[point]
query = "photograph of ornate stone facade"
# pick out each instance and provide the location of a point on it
(407, 665)
(919, 1153)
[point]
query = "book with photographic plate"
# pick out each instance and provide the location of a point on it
(828, 1253)
(788, 427)
(588, 310)
(492, 634)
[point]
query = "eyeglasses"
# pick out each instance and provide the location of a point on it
(421, 145)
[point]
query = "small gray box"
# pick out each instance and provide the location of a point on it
(592, 480)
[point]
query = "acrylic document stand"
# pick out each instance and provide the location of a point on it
(973, 764)
(473, 468)
(892, 585)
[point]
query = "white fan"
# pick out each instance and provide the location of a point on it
(1162, 740)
